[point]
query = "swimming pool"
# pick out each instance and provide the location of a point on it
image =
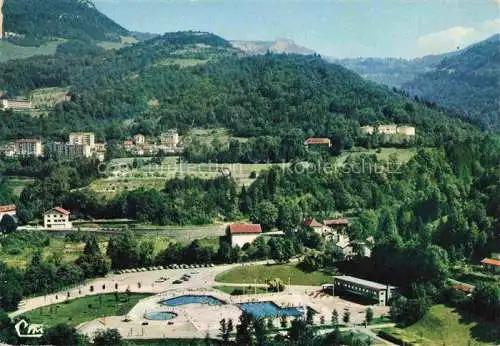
(185, 300)
(159, 315)
(269, 309)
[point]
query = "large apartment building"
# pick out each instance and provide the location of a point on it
(67, 150)
(82, 138)
(28, 147)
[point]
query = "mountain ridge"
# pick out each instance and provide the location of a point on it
(69, 19)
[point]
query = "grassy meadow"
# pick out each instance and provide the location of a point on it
(258, 274)
(84, 309)
(443, 325)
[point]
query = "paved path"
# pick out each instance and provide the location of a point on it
(204, 278)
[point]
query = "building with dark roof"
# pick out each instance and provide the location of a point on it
(380, 292)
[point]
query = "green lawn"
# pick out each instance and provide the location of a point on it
(238, 290)
(260, 273)
(17, 184)
(442, 325)
(402, 155)
(84, 309)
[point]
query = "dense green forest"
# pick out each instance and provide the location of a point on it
(37, 21)
(466, 82)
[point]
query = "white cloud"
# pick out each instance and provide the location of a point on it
(457, 37)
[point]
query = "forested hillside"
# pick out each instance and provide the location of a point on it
(198, 80)
(35, 20)
(392, 72)
(467, 82)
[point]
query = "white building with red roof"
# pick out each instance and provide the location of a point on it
(57, 218)
(241, 234)
(9, 209)
(317, 226)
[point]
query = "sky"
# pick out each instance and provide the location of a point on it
(336, 28)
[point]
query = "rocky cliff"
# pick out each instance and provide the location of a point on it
(281, 45)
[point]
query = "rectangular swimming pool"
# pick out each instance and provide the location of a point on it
(269, 309)
(190, 299)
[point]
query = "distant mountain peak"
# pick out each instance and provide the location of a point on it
(280, 45)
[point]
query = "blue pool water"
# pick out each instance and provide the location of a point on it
(184, 300)
(159, 315)
(269, 309)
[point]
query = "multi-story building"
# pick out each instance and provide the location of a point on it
(139, 139)
(368, 130)
(87, 138)
(170, 138)
(17, 105)
(28, 147)
(387, 129)
(8, 150)
(406, 130)
(68, 151)
(99, 151)
(57, 218)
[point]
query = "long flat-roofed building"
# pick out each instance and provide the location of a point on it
(68, 151)
(17, 105)
(28, 147)
(381, 293)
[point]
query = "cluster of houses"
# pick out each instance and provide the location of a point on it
(168, 142)
(80, 144)
(334, 230)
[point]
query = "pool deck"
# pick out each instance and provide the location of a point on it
(193, 321)
(196, 320)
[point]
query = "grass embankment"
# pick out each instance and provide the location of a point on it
(260, 273)
(239, 290)
(443, 325)
(84, 309)
(172, 342)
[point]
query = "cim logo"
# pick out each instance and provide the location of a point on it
(26, 330)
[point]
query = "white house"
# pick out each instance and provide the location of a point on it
(57, 218)
(241, 234)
